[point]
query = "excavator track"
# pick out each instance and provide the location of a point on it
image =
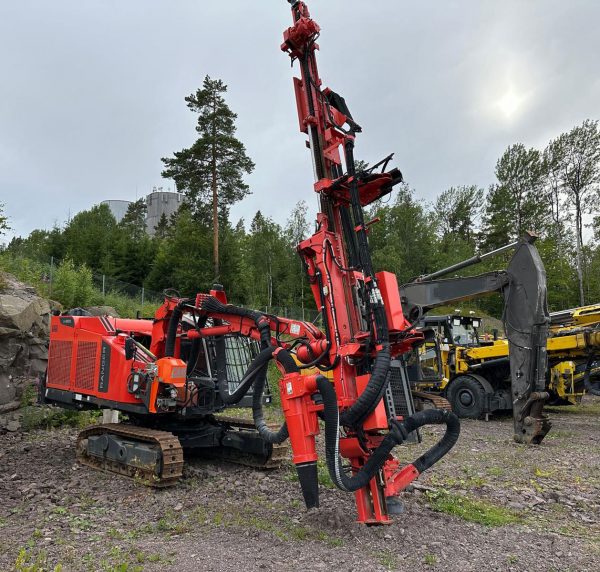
(279, 453)
(437, 401)
(165, 472)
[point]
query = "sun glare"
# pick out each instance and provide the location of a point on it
(510, 103)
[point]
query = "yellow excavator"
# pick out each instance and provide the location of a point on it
(472, 370)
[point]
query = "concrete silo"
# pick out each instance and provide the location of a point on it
(161, 202)
(117, 207)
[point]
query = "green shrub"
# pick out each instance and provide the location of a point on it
(48, 417)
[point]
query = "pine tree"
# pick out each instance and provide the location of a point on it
(211, 171)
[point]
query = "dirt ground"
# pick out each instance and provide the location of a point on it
(490, 504)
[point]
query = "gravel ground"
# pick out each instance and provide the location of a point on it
(490, 504)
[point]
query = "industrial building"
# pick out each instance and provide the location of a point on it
(117, 207)
(161, 202)
(158, 202)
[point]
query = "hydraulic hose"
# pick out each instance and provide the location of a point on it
(274, 437)
(172, 330)
(398, 433)
(368, 400)
(212, 305)
(257, 372)
(370, 397)
(259, 362)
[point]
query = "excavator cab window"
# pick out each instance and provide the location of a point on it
(465, 330)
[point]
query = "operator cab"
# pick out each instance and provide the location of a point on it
(426, 363)
(455, 330)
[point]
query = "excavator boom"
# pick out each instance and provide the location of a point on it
(526, 322)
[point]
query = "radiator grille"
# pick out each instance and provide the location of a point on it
(398, 397)
(86, 364)
(59, 363)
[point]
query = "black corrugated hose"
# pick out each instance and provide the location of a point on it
(398, 433)
(257, 372)
(173, 326)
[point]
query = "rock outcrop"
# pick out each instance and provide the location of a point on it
(24, 331)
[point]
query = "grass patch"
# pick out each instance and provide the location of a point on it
(471, 510)
(387, 559)
(28, 562)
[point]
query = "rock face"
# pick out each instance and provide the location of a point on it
(24, 330)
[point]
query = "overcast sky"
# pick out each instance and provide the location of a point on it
(91, 91)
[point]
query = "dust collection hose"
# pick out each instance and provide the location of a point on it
(398, 433)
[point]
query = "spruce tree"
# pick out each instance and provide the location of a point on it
(211, 171)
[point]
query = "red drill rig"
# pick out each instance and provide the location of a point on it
(172, 374)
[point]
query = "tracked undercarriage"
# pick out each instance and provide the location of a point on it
(424, 400)
(155, 458)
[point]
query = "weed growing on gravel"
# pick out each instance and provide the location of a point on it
(430, 559)
(541, 473)
(387, 559)
(471, 510)
(495, 471)
(27, 562)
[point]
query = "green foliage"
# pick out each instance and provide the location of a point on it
(73, 287)
(457, 210)
(573, 164)
(515, 204)
(211, 171)
(3, 221)
(470, 509)
(45, 417)
(89, 238)
(27, 562)
(402, 242)
(549, 191)
(183, 258)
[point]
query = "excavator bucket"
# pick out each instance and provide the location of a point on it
(526, 324)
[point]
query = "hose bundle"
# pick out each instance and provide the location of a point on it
(398, 433)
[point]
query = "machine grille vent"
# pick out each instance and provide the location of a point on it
(59, 363)
(398, 397)
(86, 364)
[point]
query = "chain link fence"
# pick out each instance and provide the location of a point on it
(43, 273)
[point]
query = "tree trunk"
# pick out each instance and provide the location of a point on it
(215, 200)
(215, 205)
(578, 225)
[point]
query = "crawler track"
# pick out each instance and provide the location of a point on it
(437, 401)
(169, 470)
(166, 474)
(277, 456)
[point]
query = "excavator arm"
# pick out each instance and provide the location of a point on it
(525, 317)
